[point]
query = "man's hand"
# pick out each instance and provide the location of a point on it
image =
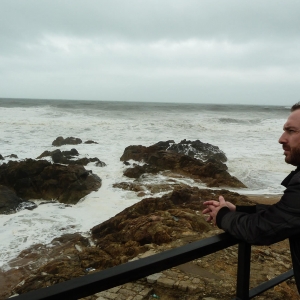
(213, 207)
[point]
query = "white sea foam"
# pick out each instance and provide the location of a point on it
(250, 143)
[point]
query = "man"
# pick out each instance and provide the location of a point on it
(267, 224)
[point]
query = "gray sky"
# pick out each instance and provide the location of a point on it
(211, 51)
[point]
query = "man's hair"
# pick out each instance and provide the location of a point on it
(295, 106)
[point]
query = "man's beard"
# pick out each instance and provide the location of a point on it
(294, 158)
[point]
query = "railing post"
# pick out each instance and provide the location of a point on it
(243, 271)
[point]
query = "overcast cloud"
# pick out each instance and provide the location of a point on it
(231, 51)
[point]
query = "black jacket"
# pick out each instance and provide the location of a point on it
(267, 224)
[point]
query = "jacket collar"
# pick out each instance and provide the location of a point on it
(287, 179)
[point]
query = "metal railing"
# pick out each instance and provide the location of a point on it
(99, 281)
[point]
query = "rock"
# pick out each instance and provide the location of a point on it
(154, 277)
(118, 240)
(69, 154)
(58, 157)
(59, 141)
(148, 188)
(12, 156)
(44, 154)
(32, 179)
(10, 202)
(152, 219)
(100, 163)
(90, 142)
(67, 157)
(137, 170)
(195, 149)
(8, 156)
(202, 151)
(213, 171)
(166, 282)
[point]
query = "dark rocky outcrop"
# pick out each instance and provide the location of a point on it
(63, 157)
(12, 156)
(67, 157)
(8, 156)
(59, 141)
(157, 221)
(137, 171)
(32, 179)
(181, 203)
(159, 157)
(143, 189)
(66, 154)
(10, 202)
(152, 225)
(199, 150)
(90, 142)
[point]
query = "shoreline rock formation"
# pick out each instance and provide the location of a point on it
(145, 228)
(32, 179)
(67, 157)
(10, 202)
(184, 159)
(59, 141)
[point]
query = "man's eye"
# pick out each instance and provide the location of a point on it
(289, 130)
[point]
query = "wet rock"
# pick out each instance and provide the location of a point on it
(213, 171)
(100, 163)
(126, 236)
(32, 179)
(10, 202)
(59, 141)
(8, 156)
(84, 161)
(137, 171)
(152, 219)
(59, 156)
(67, 157)
(148, 188)
(199, 150)
(12, 156)
(129, 186)
(44, 154)
(119, 239)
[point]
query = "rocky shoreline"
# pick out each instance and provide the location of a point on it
(154, 224)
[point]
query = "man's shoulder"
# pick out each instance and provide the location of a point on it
(295, 179)
(292, 179)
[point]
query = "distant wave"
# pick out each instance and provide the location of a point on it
(238, 121)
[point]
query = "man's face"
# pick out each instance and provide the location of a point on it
(290, 139)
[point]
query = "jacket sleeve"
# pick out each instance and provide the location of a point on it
(268, 224)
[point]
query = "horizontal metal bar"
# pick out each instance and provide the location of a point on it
(270, 283)
(99, 281)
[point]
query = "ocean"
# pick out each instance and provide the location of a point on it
(248, 135)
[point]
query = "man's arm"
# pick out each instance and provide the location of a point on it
(259, 224)
(269, 224)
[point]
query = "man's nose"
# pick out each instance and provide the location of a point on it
(282, 139)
